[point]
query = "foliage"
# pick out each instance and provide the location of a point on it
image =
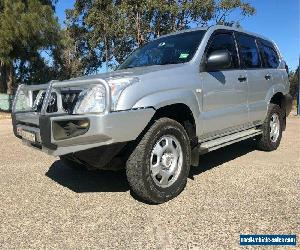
(107, 31)
(99, 33)
(26, 28)
(66, 59)
(294, 83)
(225, 8)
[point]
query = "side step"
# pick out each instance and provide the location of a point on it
(214, 144)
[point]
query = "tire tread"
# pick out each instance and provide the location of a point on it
(136, 160)
(264, 142)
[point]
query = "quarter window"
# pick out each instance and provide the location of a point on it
(248, 51)
(224, 42)
(271, 59)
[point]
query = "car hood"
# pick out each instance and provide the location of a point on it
(131, 72)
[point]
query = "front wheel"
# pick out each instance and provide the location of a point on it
(272, 129)
(158, 168)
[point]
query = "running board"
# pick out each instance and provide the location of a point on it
(212, 145)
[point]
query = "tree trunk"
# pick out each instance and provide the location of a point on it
(106, 53)
(10, 78)
(3, 86)
(137, 23)
(180, 22)
(158, 26)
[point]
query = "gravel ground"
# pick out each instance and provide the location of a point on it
(4, 115)
(235, 190)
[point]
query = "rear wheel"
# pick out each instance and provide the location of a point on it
(272, 129)
(158, 168)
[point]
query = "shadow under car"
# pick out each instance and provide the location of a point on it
(81, 181)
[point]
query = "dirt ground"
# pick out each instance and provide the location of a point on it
(4, 115)
(235, 190)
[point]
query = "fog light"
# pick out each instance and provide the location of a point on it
(83, 123)
(66, 129)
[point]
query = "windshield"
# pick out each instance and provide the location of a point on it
(172, 49)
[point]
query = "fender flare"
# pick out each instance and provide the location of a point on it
(277, 88)
(161, 99)
(286, 100)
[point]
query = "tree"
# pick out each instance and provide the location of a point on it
(27, 27)
(92, 25)
(224, 8)
(107, 31)
(34, 49)
(66, 58)
(294, 83)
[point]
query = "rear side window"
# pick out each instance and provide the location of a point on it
(224, 41)
(271, 59)
(248, 51)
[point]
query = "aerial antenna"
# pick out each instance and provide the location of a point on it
(298, 103)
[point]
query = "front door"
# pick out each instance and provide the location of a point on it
(225, 91)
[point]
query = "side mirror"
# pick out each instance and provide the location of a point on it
(218, 60)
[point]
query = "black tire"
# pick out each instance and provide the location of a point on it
(138, 164)
(264, 141)
(68, 162)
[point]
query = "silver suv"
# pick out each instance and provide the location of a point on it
(177, 97)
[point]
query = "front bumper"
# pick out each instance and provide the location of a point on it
(47, 125)
(104, 129)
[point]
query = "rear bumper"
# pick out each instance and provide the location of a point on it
(104, 129)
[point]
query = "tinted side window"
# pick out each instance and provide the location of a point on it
(271, 59)
(248, 51)
(223, 42)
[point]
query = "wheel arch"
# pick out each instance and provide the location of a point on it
(280, 99)
(181, 113)
(175, 104)
(276, 90)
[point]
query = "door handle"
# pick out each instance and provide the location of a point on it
(242, 78)
(267, 77)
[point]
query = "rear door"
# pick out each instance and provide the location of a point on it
(224, 91)
(259, 78)
(270, 60)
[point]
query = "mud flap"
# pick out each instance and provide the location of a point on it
(195, 156)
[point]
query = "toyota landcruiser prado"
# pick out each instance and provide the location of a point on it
(175, 98)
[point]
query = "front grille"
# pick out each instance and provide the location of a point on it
(32, 99)
(39, 100)
(52, 105)
(38, 103)
(69, 100)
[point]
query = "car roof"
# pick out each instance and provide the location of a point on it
(218, 27)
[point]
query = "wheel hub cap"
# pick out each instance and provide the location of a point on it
(274, 127)
(166, 161)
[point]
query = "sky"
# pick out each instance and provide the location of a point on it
(276, 19)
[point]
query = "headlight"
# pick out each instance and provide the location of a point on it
(117, 85)
(92, 100)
